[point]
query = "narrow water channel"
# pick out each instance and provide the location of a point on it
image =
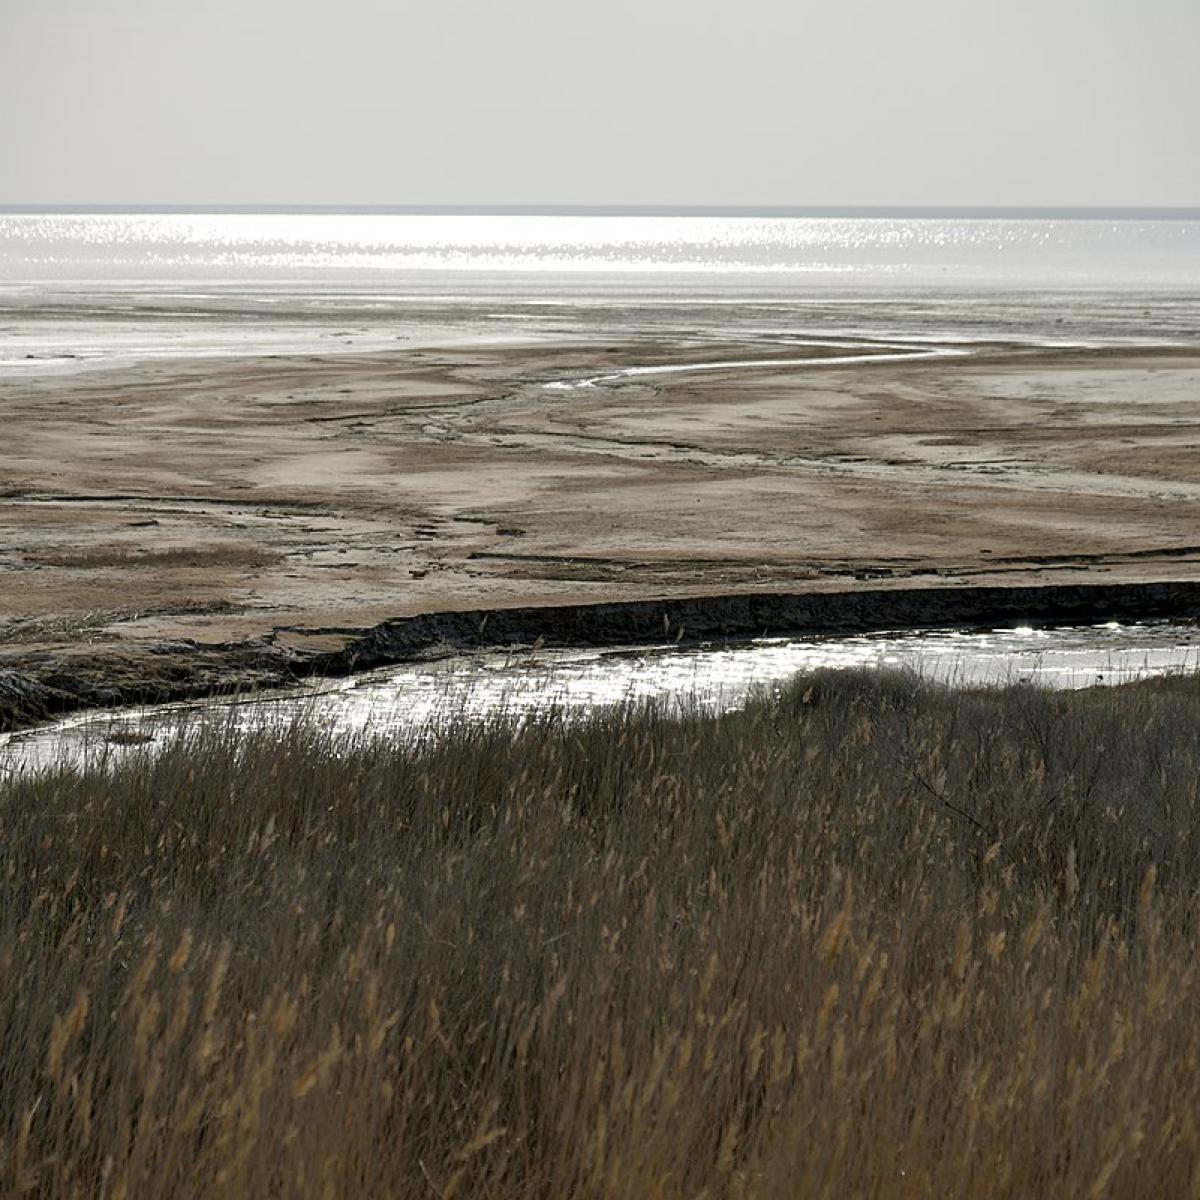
(419, 697)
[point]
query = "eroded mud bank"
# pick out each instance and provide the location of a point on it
(40, 685)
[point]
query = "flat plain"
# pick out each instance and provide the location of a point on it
(223, 496)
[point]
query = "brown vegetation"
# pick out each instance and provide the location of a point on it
(868, 937)
(106, 557)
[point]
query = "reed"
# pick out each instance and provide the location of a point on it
(866, 937)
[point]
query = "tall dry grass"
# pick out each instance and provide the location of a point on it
(867, 938)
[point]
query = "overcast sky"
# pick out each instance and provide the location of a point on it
(613, 102)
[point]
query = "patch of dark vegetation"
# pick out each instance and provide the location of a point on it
(867, 937)
(25, 701)
(128, 737)
(38, 685)
(107, 557)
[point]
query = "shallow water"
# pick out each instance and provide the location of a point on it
(78, 330)
(867, 356)
(85, 290)
(91, 291)
(401, 701)
(366, 249)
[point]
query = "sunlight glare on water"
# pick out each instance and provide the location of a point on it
(403, 701)
(362, 247)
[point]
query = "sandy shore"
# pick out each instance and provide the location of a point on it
(296, 497)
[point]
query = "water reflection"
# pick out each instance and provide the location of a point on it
(866, 357)
(402, 700)
(266, 246)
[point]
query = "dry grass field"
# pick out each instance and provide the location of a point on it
(866, 938)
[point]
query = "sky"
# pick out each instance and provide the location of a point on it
(613, 102)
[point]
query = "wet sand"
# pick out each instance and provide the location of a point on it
(291, 497)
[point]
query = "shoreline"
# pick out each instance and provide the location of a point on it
(194, 525)
(45, 686)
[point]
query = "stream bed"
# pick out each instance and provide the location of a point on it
(417, 698)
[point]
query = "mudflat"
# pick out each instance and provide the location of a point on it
(227, 498)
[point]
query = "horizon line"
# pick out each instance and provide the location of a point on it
(1094, 212)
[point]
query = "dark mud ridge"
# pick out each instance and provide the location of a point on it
(37, 686)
